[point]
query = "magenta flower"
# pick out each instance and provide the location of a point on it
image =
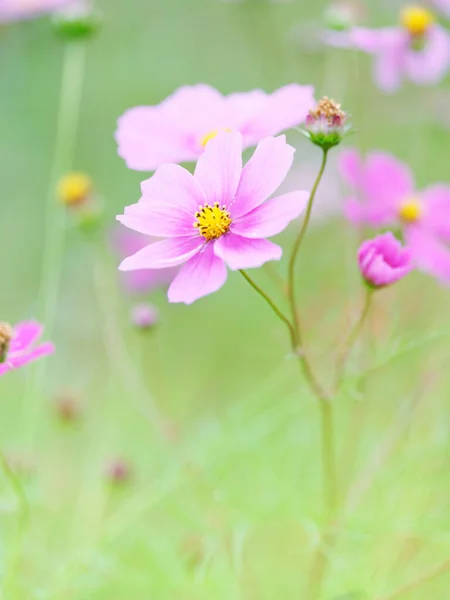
(443, 6)
(419, 50)
(18, 10)
(217, 217)
(17, 345)
(178, 129)
(385, 196)
(384, 260)
(141, 281)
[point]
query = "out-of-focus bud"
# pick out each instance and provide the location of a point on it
(67, 409)
(384, 261)
(77, 21)
(76, 192)
(342, 15)
(192, 549)
(144, 316)
(118, 472)
(6, 334)
(326, 124)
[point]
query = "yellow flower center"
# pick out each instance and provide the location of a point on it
(6, 334)
(212, 221)
(416, 20)
(74, 188)
(410, 211)
(211, 135)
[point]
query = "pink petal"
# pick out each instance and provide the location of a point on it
(171, 184)
(272, 216)
(263, 174)
(157, 219)
(219, 168)
(374, 41)
(25, 334)
(201, 275)
(436, 216)
(196, 109)
(387, 180)
(284, 109)
(167, 253)
(22, 359)
(351, 167)
(147, 139)
(430, 255)
(243, 253)
(388, 70)
(431, 64)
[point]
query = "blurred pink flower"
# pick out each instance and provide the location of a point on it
(215, 218)
(423, 59)
(384, 260)
(19, 350)
(178, 129)
(144, 316)
(17, 10)
(128, 242)
(385, 195)
(443, 6)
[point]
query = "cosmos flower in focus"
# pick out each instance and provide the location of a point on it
(17, 10)
(418, 50)
(126, 242)
(178, 129)
(217, 217)
(17, 345)
(384, 261)
(384, 195)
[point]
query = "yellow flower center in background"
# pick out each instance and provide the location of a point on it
(211, 135)
(74, 188)
(410, 211)
(212, 221)
(416, 20)
(6, 334)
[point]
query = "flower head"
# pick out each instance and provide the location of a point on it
(326, 124)
(74, 189)
(118, 471)
(383, 260)
(178, 129)
(17, 10)
(217, 217)
(384, 195)
(16, 345)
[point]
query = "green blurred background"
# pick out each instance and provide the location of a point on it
(225, 503)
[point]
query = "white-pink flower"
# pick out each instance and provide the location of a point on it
(217, 218)
(17, 10)
(178, 129)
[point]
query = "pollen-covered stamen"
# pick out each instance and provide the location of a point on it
(416, 20)
(6, 334)
(212, 221)
(211, 135)
(410, 211)
(327, 111)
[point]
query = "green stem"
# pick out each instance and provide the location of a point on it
(66, 135)
(352, 338)
(16, 486)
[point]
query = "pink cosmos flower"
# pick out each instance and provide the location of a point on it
(178, 129)
(17, 345)
(419, 50)
(385, 196)
(17, 10)
(443, 6)
(141, 281)
(217, 217)
(384, 260)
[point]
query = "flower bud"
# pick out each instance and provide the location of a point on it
(326, 125)
(118, 472)
(67, 408)
(77, 21)
(384, 261)
(6, 334)
(74, 189)
(342, 15)
(144, 316)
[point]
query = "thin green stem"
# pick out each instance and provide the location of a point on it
(422, 579)
(296, 248)
(272, 305)
(66, 135)
(16, 486)
(352, 338)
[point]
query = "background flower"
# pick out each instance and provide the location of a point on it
(21, 349)
(384, 261)
(215, 218)
(16, 10)
(385, 196)
(178, 129)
